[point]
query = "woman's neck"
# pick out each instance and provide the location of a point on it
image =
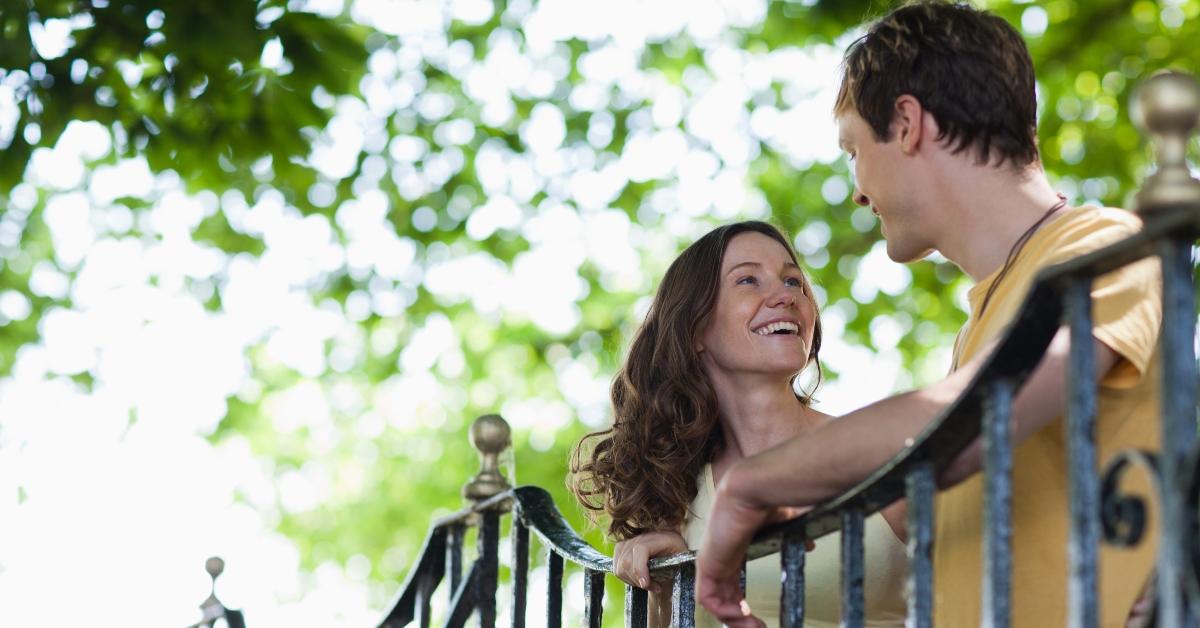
(759, 415)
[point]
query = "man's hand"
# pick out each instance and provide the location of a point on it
(733, 521)
(631, 556)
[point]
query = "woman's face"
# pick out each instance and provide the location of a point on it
(764, 315)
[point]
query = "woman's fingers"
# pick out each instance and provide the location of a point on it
(623, 562)
(631, 557)
(639, 566)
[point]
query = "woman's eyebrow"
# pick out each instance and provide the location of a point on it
(739, 265)
(788, 265)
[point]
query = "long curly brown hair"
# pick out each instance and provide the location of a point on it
(642, 471)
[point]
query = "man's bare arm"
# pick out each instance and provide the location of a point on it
(824, 463)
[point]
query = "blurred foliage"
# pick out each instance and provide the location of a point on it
(183, 85)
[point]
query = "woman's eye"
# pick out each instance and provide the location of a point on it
(794, 282)
(748, 280)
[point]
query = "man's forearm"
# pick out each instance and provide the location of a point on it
(807, 470)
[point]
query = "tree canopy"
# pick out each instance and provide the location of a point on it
(327, 235)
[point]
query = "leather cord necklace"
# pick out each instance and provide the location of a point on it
(1016, 250)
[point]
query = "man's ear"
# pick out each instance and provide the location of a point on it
(910, 123)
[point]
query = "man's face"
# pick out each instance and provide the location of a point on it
(885, 181)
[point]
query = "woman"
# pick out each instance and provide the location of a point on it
(711, 378)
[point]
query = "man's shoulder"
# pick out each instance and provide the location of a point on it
(1089, 218)
(1087, 228)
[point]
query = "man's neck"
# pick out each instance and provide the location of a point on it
(986, 211)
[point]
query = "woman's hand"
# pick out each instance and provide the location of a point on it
(631, 557)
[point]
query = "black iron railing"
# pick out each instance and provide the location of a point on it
(1168, 106)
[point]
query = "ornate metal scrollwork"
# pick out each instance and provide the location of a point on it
(1123, 516)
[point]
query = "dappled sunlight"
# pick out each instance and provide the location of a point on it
(251, 313)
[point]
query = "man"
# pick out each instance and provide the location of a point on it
(937, 111)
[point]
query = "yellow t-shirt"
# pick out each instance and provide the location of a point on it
(1126, 310)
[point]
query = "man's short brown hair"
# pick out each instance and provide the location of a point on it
(967, 67)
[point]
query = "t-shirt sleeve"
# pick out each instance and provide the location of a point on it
(1126, 304)
(1127, 316)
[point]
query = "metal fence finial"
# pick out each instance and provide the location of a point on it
(212, 609)
(1167, 105)
(215, 567)
(490, 435)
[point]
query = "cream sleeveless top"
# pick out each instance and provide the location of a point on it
(886, 572)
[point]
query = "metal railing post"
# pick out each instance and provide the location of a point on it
(636, 610)
(791, 595)
(212, 609)
(920, 490)
(593, 597)
(520, 569)
(1168, 106)
(853, 569)
(1081, 452)
(683, 597)
(490, 435)
(997, 485)
(554, 584)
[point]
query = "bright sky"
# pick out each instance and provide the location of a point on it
(118, 516)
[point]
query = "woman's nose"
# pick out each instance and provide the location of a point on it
(783, 297)
(860, 198)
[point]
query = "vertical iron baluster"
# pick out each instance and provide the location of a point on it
(465, 600)
(489, 546)
(635, 607)
(424, 596)
(520, 568)
(997, 488)
(593, 597)
(852, 568)
(1081, 447)
(791, 595)
(1178, 423)
(454, 561)
(683, 597)
(920, 492)
(554, 583)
